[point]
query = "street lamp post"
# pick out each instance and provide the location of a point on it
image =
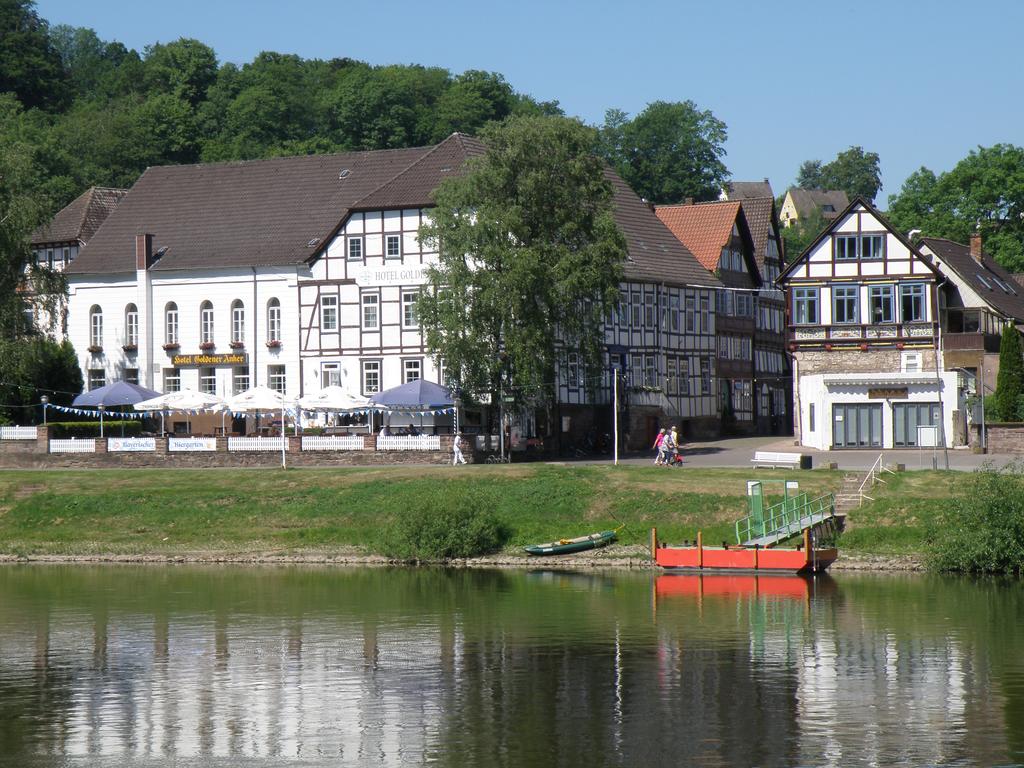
(45, 401)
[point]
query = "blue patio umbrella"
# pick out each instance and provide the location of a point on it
(419, 395)
(115, 393)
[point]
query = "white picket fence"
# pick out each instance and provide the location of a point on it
(332, 442)
(255, 443)
(17, 433)
(409, 443)
(73, 446)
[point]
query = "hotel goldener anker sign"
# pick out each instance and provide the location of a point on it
(184, 361)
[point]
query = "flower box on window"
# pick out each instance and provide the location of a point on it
(172, 345)
(130, 347)
(206, 346)
(236, 344)
(274, 344)
(95, 348)
(863, 346)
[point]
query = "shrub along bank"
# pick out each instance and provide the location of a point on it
(435, 512)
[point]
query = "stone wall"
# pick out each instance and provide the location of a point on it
(815, 361)
(1002, 438)
(34, 454)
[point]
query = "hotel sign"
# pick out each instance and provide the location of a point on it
(370, 277)
(184, 361)
(897, 393)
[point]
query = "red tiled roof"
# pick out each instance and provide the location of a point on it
(704, 229)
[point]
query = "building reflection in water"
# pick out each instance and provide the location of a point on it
(458, 668)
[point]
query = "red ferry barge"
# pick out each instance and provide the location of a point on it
(805, 558)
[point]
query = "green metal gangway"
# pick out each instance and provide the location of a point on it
(765, 527)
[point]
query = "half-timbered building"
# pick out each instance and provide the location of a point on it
(301, 272)
(864, 331)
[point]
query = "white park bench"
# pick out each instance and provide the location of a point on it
(775, 459)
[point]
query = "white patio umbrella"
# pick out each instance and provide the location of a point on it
(261, 400)
(334, 398)
(184, 400)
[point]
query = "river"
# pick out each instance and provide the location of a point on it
(214, 666)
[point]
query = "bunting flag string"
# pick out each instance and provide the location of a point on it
(95, 413)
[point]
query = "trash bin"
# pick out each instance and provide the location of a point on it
(805, 461)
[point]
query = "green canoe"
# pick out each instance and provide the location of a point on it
(568, 546)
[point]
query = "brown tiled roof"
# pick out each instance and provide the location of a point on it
(281, 211)
(655, 254)
(806, 200)
(79, 219)
(1008, 301)
(744, 190)
(414, 185)
(249, 213)
(704, 229)
(760, 215)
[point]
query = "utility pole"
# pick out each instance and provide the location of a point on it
(615, 413)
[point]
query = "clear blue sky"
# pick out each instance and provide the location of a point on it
(920, 82)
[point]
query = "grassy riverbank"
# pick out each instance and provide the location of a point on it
(301, 512)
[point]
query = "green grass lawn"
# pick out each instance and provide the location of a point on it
(239, 511)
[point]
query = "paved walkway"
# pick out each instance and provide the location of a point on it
(738, 451)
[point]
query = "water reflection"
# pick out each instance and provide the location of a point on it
(202, 666)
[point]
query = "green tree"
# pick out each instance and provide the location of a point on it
(530, 258)
(30, 66)
(802, 233)
(854, 171)
(984, 192)
(34, 367)
(1010, 381)
(668, 152)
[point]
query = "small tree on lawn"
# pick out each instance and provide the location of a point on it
(1010, 382)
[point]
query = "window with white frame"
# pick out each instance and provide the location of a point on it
(393, 246)
(328, 313)
(572, 367)
(412, 370)
(330, 374)
(912, 306)
(237, 321)
(131, 326)
(684, 376)
(649, 310)
(274, 320)
(910, 362)
(409, 319)
(845, 304)
(371, 377)
(208, 380)
(371, 311)
(674, 311)
(705, 376)
(355, 249)
(172, 380)
(744, 305)
(691, 304)
(635, 310)
(671, 376)
(95, 326)
(171, 323)
(206, 323)
(881, 304)
(636, 369)
(276, 378)
(131, 375)
(705, 314)
(650, 371)
(239, 380)
(97, 378)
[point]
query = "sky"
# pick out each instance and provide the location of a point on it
(920, 82)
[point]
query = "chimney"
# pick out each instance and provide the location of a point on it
(976, 247)
(688, 201)
(143, 252)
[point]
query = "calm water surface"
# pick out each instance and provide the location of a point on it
(204, 666)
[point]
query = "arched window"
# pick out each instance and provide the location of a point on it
(206, 323)
(131, 326)
(237, 322)
(96, 326)
(274, 320)
(171, 323)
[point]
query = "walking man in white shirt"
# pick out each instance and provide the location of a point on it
(457, 457)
